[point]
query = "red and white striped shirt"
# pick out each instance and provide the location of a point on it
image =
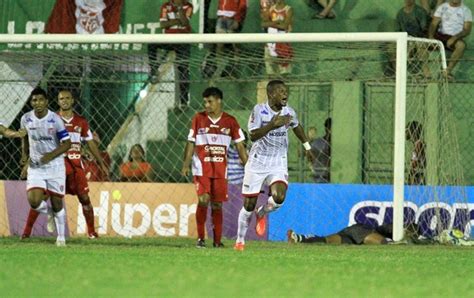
(212, 139)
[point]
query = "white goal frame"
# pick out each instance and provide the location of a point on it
(401, 40)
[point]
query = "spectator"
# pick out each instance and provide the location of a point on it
(414, 133)
(265, 8)
(430, 5)
(321, 148)
(326, 7)
(279, 19)
(92, 169)
(452, 21)
(230, 19)
(136, 169)
(414, 20)
(174, 19)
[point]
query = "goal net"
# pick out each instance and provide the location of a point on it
(377, 145)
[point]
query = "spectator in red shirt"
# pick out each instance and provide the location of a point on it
(175, 18)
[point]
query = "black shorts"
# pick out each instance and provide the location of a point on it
(356, 233)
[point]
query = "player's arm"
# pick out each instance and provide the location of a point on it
(98, 157)
(25, 152)
(242, 152)
(299, 132)
(8, 133)
(61, 149)
(433, 26)
(188, 155)
(277, 121)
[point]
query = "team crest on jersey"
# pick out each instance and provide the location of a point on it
(225, 131)
(51, 120)
(202, 130)
(264, 112)
(214, 138)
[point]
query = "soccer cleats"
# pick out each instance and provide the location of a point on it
(239, 246)
(261, 226)
(200, 243)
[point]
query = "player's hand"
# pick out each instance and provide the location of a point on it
(278, 121)
(46, 158)
(24, 172)
(310, 156)
(185, 171)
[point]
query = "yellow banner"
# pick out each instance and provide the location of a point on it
(137, 209)
(4, 222)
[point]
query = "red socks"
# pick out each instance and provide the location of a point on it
(201, 214)
(88, 211)
(217, 219)
(30, 221)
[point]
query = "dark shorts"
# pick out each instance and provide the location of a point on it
(444, 39)
(356, 233)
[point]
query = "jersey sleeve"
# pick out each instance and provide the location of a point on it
(193, 130)
(61, 131)
(237, 133)
(255, 120)
(468, 15)
(86, 134)
(439, 11)
(22, 122)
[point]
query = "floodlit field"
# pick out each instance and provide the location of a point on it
(174, 267)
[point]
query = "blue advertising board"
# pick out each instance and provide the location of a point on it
(324, 209)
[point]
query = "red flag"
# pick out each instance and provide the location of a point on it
(85, 16)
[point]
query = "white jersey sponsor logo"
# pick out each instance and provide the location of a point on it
(271, 150)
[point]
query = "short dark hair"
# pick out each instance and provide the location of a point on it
(38, 91)
(274, 83)
(213, 91)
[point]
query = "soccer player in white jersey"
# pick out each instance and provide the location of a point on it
(268, 159)
(43, 151)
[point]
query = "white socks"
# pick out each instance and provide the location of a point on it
(270, 206)
(244, 221)
(60, 220)
(43, 208)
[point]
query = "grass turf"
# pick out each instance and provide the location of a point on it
(174, 267)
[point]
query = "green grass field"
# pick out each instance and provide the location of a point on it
(164, 267)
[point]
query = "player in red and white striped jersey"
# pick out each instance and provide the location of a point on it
(268, 126)
(42, 153)
(76, 181)
(208, 141)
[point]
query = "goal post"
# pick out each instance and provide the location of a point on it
(340, 57)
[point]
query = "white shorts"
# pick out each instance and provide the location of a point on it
(253, 181)
(55, 185)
